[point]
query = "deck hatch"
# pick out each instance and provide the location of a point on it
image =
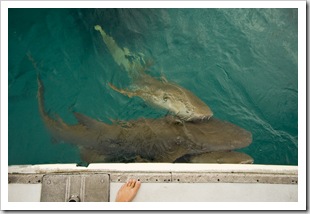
(75, 188)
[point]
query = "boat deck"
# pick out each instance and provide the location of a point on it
(160, 182)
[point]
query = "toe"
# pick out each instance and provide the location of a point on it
(129, 182)
(137, 185)
(133, 183)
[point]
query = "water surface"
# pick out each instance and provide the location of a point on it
(241, 62)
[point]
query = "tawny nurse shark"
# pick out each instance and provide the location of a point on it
(151, 140)
(161, 93)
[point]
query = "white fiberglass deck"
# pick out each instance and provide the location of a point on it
(170, 182)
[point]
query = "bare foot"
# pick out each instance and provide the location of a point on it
(128, 191)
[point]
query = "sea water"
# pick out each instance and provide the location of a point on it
(241, 62)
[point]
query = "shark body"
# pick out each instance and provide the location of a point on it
(150, 140)
(160, 93)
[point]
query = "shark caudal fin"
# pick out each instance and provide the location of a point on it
(133, 63)
(117, 53)
(50, 123)
(40, 94)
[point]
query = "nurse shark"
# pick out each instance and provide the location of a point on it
(218, 157)
(160, 93)
(144, 140)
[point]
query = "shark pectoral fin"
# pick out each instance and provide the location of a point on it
(127, 93)
(91, 156)
(88, 122)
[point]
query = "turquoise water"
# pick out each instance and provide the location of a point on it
(241, 62)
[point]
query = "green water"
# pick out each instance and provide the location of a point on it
(241, 62)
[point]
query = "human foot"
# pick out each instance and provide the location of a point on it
(128, 191)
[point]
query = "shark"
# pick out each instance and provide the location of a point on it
(144, 140)
(156, 92)
(221, 157)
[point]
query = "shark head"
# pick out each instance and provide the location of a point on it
(199, 114)
(182, 103)
(217, 135)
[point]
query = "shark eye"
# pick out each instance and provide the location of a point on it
(165, 98)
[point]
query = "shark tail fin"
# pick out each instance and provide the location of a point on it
(40, 94)
(34, 63)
